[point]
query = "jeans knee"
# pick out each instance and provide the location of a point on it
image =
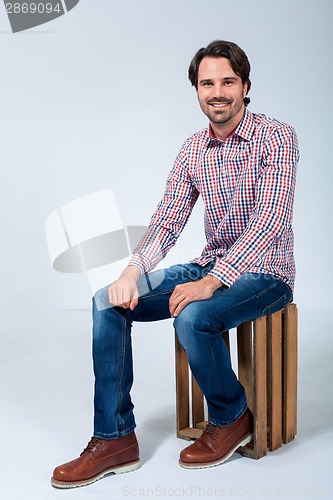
(189, 323)
(101, 300)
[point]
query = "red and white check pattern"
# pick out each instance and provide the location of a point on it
(247, 185)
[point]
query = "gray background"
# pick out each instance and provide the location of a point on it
(99, 98)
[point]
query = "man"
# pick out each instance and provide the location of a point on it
(243, 165)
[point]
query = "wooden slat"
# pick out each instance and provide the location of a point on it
(274, 380)
(245, 361)
(202, 425)
(225, 336)
(259, 388)
(245, 372)
(182, 388)
(289, 373)
(197, 403)
(189, 433)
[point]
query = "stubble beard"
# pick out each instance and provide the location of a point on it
(220, 116)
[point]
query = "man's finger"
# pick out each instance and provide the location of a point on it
(133, 303)
(180, 306)
(172, 304)
(177, 305)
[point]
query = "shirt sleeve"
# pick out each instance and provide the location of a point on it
(273, 209)
(169, 218)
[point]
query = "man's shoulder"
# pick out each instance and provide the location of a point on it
(198, 136)
(195, 141)
(271, 132)
(263, 122)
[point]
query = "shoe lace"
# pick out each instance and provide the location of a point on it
(210, 431)
(93, 445)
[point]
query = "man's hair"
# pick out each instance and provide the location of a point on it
(220, 48)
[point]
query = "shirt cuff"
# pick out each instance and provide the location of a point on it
(225, 272)
(141, 262)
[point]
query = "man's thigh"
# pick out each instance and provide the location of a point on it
(155, 289)
(250, 297)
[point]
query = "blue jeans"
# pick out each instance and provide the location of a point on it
(198, 326)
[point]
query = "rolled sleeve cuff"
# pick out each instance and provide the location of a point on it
(141, 262)
(225, 272)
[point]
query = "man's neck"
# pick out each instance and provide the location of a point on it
(224, 130)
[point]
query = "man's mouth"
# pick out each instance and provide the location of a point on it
(219, 104)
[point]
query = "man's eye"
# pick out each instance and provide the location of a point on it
(228, 82)
(207, 84)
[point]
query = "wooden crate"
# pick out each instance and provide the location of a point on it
(267, 368)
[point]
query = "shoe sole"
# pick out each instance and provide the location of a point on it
(206, 465)
(121, 469)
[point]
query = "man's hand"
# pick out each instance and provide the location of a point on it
(123, 292)
(193, 291)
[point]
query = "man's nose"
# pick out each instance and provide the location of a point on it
(219, 91)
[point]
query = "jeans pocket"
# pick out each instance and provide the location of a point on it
(275, 306)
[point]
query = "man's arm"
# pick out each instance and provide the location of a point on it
(192, 291)
(271, 216)
(166, 225)
(123, 292)
(170, 217)
(273, 211)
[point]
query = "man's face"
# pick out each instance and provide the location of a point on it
(220, 94)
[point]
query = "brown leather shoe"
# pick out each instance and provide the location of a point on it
(100, 457)
(217, 444)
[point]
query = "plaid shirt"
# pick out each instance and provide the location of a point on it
(247, 185)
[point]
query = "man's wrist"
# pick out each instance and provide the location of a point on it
(132, 271)
(213, 282)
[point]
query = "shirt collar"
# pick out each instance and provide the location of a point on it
(245, 128)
